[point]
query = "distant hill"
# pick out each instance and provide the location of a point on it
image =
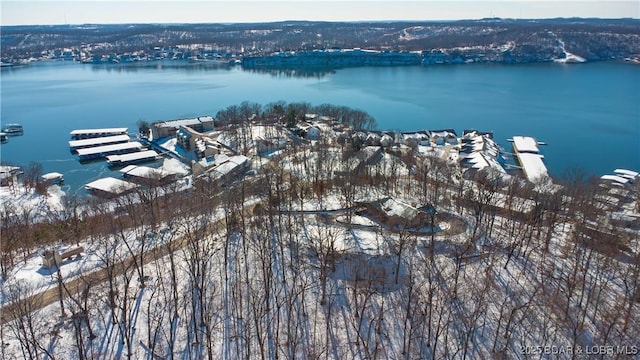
(591, 39)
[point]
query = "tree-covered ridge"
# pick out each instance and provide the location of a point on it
(592, 39)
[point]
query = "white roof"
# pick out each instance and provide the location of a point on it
(478, 161)
(98, 131)
(525, 144)
(111, 185)
(99, 141)
(144, 172)
(8, 169)
(51, 176)
(184, 122)
(226, 167)
(109, 148)
(626, 172)
(239, 159)
(532, 165)
(132, 156)
(615, 178)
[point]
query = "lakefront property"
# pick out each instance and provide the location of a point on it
(456, 190)
(350, 217)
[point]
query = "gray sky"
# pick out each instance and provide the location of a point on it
(27, 12)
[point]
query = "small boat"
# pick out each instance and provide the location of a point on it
(3, 138)
(12, 129)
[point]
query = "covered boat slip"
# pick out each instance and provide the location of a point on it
(106, 150)
(133, 158)
(528, 155)
(628, 174)
(53, 178)
(95, 133)
(532, 166)
(99, 141)
(525, 144)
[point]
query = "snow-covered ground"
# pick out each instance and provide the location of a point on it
(283, 280)
(21, 200)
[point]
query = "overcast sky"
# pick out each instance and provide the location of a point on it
(28, 12)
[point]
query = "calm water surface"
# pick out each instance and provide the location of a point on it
(589, 114)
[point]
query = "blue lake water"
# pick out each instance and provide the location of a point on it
(589, 114)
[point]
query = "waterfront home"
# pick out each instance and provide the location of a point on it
(416, 138)
(267, 144)
(110, 187)
(164, 129)
(226, 169)
(9, 175)
(146, 175)
(386, 140)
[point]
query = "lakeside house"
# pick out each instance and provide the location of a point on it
(9, 175)
(162, 129)
(110, 187)
(146, 175)
(221, 169)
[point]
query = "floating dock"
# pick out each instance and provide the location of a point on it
(99, 141)
(13, 129)
(53, 178)
(133, 158)
(627, 174)
(528, 155)
(106, 150)
(96, 133)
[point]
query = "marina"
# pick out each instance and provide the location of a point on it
(99, 152)
(528, 156)
(405, 99)
(132, 158)
(96, 133)
(98, 141)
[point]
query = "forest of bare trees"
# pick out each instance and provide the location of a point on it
(262, 268)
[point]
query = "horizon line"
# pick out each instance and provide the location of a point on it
(330, 21)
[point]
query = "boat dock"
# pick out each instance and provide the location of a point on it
(53, 178)
(98, 141)
(528, 155)
(133, 158)
(106, 150)
(627, 174)
(96, 133)
(13, 129)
